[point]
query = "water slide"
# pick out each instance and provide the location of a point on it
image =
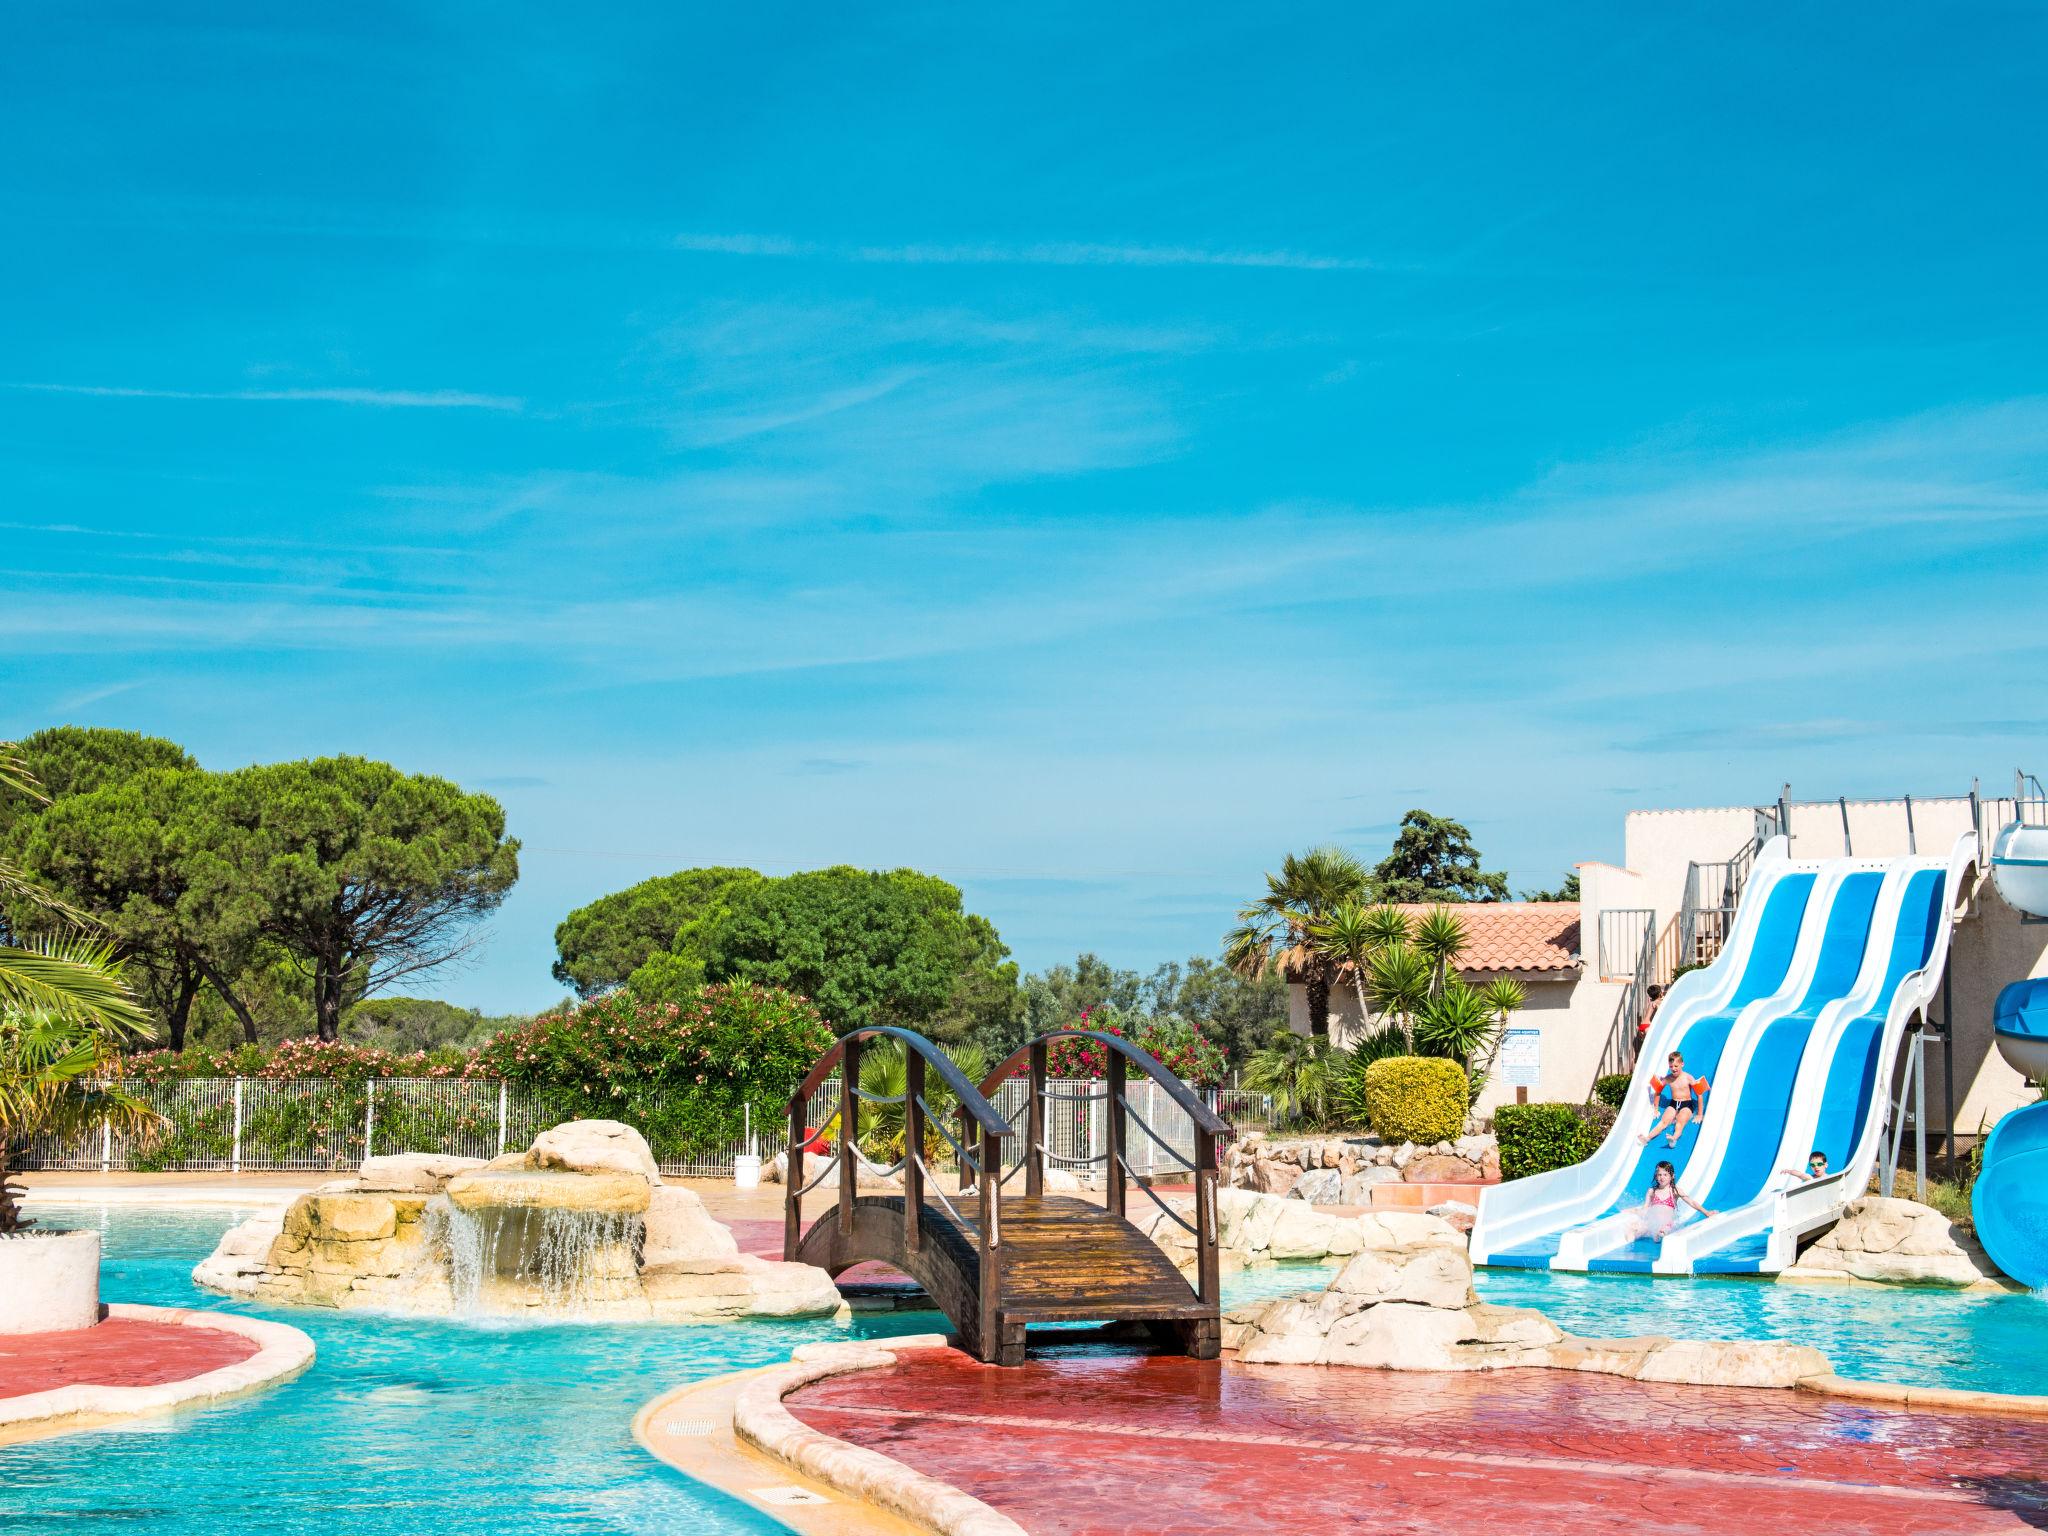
(2009, 1202)
(1796, 1026)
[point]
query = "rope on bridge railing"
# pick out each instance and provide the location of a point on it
(938, 1123)
(939, 1195)
(1090, 1097)
(876, 1098)
(1163, 1144)
(1078, 1162)
(818, 1178)
(1186, 1225)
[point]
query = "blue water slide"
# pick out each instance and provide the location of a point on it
(1819, 1078)
(2009, 1202)
(1527, 1222)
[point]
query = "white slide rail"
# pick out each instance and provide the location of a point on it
(1582, 1244)
(1514, 1213)
(1692, 1240)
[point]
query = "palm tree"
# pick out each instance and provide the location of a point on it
(1277, 927)
(1441, 939)
(1301, 1073)
(65, 1015)
(1399, 982)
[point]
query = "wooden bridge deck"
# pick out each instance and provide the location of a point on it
(996, 1263)
(1063, 1259)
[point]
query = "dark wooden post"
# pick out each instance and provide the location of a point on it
(1114, 1106)
(967, 1178)
(1034, 1125)
(988, 1188)
(849, 1131)
(913, 1146)
(793, 1180)
(1208, 1278)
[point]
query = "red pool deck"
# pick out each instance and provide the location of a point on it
(119, 1352)
(1100, 1444)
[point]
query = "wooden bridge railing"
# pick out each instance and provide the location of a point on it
(978, 1146)
(1210, 1132)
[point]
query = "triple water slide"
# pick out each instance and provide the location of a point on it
(1796, 1026)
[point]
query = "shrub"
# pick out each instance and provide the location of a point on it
(681, 1072)
(1176, 1044)
(1535, 1138)
(1415, 1098)
(1611, 1089)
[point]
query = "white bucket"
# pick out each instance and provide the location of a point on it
(746, 1171)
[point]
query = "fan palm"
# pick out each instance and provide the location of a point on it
(884, 1075)
(1301, 1074)
(1309, 888)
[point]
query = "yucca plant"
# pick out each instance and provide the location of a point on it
(1439, 939)
(1352, 934)
(1398, 981)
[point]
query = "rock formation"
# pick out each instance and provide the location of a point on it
(580, 1226)
(1340, 1170)
(1894, 1242)
(1412, 1308)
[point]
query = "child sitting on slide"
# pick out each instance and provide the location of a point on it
(1658, 1213)
(1678, 1096)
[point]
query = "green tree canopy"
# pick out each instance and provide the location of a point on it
(1433, 860)
(1568, 891)
(868, 947)
(599, 945)
(359, 872)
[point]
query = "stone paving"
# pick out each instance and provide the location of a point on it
(119, 1352)
(1080, 1442)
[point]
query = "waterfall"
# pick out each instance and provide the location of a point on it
(507, 1259)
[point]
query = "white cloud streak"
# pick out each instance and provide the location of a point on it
(390, 399)
(1056, 253)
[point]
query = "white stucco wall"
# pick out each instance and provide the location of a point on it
(1574, 1015)
(1992, 946)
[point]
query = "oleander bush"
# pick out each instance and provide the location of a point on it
(680, 1072)
(1611, 1089)
(1415, 1098)
(1535, 1138)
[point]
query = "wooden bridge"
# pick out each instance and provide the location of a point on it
(996, 1262)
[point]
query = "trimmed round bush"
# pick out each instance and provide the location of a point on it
(1612, 1089)
(1535, 1138)
(1415, 1098)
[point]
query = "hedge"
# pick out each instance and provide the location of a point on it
(1612, 1089)
(1535, 1138)
(1415, 1098)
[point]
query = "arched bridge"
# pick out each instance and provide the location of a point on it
(993, 1259)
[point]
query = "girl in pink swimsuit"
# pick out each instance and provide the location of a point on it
(1658, 1213)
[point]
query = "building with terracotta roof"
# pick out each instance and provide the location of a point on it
(1555, 1040)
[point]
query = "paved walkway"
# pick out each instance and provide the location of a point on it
(119, 1352)
(1075, 1443)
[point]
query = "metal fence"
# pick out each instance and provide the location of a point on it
(313, 1124)
(317, 1124)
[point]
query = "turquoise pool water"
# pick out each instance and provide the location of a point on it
(401, 1426)
(405, 1426)
(1922, 1337)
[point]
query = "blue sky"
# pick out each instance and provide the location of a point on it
(1081, 453)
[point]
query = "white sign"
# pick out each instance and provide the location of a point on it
(1521, 1058)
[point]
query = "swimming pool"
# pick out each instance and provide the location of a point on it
(1911, 1334)
(406, 1425)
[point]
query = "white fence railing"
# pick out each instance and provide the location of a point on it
(315, 1124)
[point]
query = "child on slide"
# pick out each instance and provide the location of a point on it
(1678, 1100)
(1658, 1213)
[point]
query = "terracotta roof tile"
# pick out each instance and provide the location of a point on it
(1521, 937)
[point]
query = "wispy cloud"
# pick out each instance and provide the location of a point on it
(390, 399)
(1055, 253)
(95, 695)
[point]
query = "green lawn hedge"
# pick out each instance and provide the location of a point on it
(1415, 1098)
(1611, 1090)
(1535, 1138)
